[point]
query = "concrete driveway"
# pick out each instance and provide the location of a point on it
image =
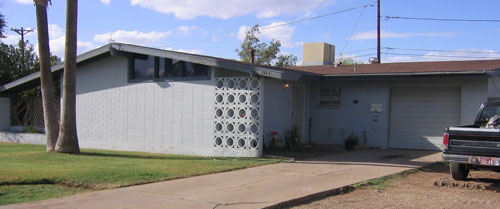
(257, 187)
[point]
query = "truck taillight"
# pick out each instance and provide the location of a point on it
(446, 136)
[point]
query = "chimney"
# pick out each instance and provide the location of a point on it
(252, 55)
(318, 54)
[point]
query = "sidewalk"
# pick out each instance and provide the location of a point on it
(254, 187)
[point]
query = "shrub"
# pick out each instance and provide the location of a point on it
(351, 141)
(32, 129)
(293, 139)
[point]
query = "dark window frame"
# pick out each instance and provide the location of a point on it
(334, 96)
(165, 77)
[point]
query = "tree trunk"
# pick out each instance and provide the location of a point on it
(47, 87)
(68, 139)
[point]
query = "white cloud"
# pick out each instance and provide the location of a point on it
(55, 31)
(25, 1)
(225, 9)
(57, 46)
(388, 34)
(283, 33)
(190, 51)
(132, 37)
(467, 54)
(186, 30)
(106, 1)
(11, 39)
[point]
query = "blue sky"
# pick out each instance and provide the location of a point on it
(215, 27)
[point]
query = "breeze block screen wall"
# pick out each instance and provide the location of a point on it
(238, 116)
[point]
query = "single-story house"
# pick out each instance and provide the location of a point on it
(144, 99)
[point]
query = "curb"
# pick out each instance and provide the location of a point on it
(331, 192)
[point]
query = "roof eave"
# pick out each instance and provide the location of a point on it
(56, 70)
(448, 73)
(210, 61)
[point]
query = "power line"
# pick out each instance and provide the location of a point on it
(364, 55)
(353, 29)
(319, 16)
(441, 50)
(441, 19)
(435, 55)
(279, 25)
(361, 50)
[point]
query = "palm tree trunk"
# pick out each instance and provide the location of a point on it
(47, 87)
(68, 139)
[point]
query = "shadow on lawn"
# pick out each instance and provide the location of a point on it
(159, 157)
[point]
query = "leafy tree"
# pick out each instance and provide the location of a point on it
(349, 60)
(68, 138)
(265, 54)
(47, 89)
(12, 64)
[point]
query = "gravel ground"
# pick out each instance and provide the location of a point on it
(431, 187)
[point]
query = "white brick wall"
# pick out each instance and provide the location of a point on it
(171, 117)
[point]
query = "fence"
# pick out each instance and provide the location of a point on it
(29, 111)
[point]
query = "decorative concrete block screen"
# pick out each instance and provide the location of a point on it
(238, 116)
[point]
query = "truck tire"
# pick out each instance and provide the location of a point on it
(459, 171)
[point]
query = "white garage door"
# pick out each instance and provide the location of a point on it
(419, 115)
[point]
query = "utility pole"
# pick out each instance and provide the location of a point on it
(22, 32)
(378, 32)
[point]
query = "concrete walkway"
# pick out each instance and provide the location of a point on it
(257, 187)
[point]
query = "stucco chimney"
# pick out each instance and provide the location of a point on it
(318, 54)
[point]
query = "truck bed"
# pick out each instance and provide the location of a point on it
(473, 140)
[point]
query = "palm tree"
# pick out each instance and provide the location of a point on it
(68, 139)
(47, 88)
(2, 25)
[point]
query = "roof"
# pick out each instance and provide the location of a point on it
(121, 49)
(474, 67)
(405, 68)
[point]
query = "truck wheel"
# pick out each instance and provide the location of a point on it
(459, 171)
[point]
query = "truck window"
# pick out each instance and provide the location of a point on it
(488, 112)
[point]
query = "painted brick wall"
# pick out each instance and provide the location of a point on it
(332, 126)
(171, 117)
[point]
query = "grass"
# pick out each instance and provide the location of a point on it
(382, 183)
(28, 173)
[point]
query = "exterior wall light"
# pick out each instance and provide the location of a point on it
(286, 85)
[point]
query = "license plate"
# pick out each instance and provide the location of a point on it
(486, 160)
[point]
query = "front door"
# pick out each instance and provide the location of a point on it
(297, 108)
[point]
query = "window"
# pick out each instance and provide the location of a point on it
(143, 67)
(177, 69)
(329, 97)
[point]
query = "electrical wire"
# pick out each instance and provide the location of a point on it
(279, 25)
(319, 16)
(434, 55)
(441, 50)
(361, 50)
(364, 55)
(441, 19)
(352, 31)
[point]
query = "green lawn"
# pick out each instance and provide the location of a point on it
(28, 173)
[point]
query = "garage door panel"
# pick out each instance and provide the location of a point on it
(418, 116)
(407, 120)
(435, 115)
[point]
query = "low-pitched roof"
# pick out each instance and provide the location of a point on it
(474, 67)
(121, 49)
(405, 68)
